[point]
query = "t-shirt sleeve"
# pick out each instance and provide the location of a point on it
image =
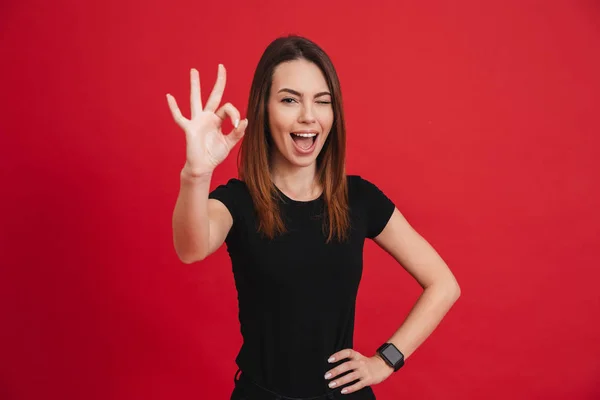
(228, 194)
(378, 206)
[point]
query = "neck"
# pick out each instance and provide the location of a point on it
(296, 182)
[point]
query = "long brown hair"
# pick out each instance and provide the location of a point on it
(254, 162)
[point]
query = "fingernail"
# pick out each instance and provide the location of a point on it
(344, 391)
(236, 123)
(327, 376)
(332, 384)
(331, 359)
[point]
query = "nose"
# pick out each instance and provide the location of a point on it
(307, 115)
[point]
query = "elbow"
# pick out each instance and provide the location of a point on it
(453, 290)
(448, 290)
(189, 258)
(187, 253)
(456, 292)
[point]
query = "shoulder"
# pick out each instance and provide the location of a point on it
(234, 194)
(354, 182)
(235, 183)
(233, 186)
(359, 186)
(375, 206)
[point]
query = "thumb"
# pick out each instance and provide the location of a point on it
(236, 134)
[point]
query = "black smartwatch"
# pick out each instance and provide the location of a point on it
(391, 355)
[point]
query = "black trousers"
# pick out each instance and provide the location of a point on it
(245, 389)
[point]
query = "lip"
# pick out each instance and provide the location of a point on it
(311, 148)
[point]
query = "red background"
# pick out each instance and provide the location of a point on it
(479, 119)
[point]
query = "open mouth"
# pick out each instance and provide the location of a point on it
(304, 140)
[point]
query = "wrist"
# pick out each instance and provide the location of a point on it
(189, 172)
(384, 364)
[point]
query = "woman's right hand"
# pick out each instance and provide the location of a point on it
(206, 145)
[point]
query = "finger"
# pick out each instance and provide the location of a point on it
(236, 134)
(351, 377)
(346, 353)
(353, 388)
(217, 93)
(180, 119)
(195, 99)
(348, 365)
(229, 109)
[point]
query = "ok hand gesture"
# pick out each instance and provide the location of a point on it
(206, 145)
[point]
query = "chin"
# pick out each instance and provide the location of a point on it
(302, 163)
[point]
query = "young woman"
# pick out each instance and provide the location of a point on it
(295, 226)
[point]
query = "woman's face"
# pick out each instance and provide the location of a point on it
(300, 112)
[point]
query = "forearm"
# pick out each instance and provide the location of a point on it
(190, 216)
(424, 317)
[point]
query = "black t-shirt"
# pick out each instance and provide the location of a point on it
(296, 293)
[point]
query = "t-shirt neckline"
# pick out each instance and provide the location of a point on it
(289, 199)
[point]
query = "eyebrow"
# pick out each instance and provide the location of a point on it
(300, 94)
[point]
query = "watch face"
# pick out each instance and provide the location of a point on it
(392, 354)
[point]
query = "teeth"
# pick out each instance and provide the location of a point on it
(306, 134)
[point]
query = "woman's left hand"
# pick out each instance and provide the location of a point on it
(370, 370)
